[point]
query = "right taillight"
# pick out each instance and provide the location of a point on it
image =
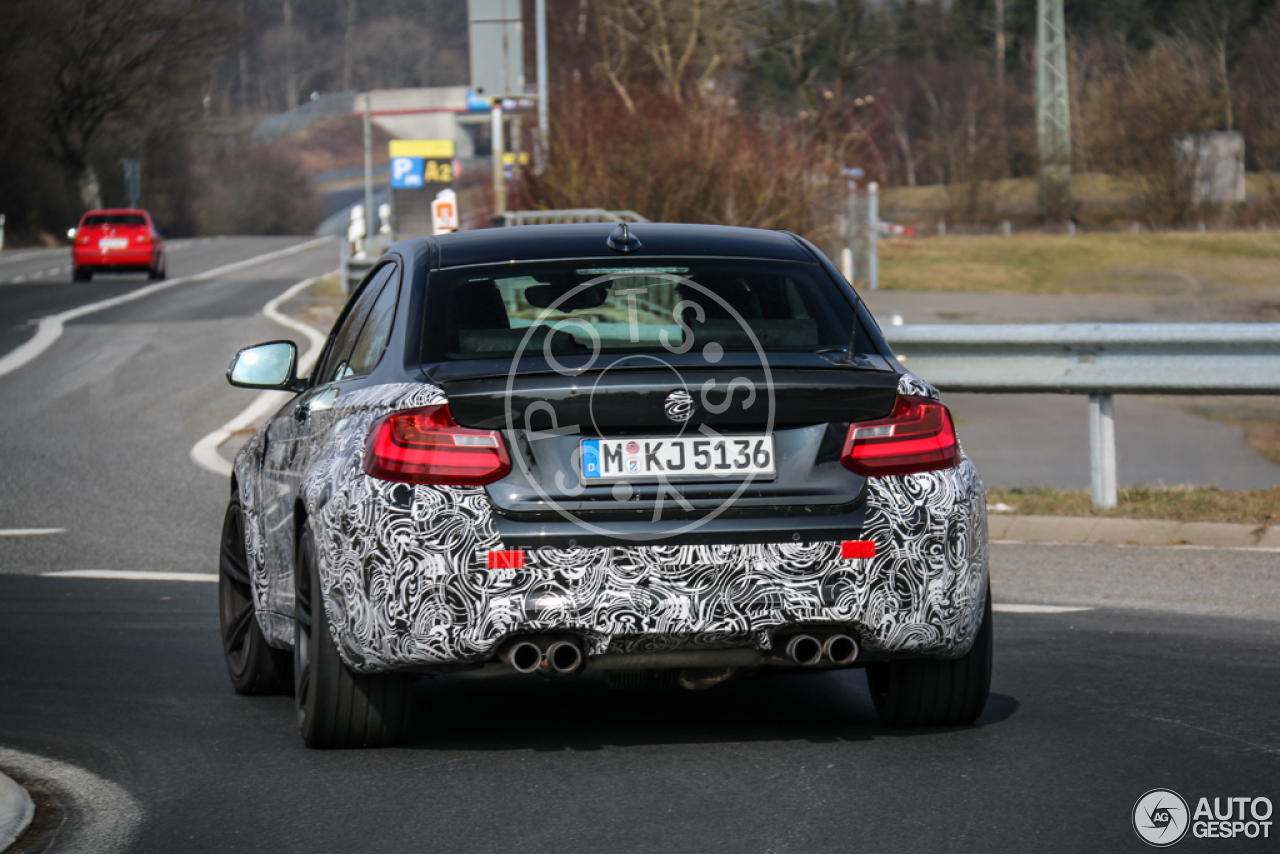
(427, 446)
(917, 436)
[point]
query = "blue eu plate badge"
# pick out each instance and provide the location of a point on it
(591, 458)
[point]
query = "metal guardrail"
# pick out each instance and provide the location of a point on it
(571, 215)
(1097, 359)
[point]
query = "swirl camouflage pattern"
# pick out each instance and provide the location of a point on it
(406, 583)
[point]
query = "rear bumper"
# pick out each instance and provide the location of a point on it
(405, 571)
(97, 259)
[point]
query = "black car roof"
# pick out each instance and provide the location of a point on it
(587, 240)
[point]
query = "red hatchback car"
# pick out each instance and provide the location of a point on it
(117, 241)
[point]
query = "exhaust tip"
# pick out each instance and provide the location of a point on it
(524, 657)
(804, 649)
(840, 649)
(564, 658)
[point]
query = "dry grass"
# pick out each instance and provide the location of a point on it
(1177, 504)
(1016, 194)
(1151, 264)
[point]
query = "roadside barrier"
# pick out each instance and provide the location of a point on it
(1095, 359)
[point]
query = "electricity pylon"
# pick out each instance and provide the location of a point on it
(1053, 110)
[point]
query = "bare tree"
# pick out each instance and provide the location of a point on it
(112, 59)
(685, 41)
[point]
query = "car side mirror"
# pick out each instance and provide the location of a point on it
(273, 365)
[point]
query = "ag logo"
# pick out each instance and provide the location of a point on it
(1160, 817)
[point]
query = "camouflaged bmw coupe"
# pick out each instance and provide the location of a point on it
(673, 454)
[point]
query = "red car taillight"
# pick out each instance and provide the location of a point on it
(427, 446)
(917, 436)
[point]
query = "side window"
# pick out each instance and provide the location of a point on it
(377, 331)
(336, 363)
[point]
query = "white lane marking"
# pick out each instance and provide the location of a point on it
(205, 452)
(16, 811)
(1184, 546)
(131, 575)
(6, 257)
(1037, 609)
(50, 328)
(29, 532)
(104, 818)
(17, 279)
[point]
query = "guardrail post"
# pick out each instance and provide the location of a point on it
(1102, 449)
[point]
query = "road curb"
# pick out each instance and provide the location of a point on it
(16, 811)
(1130, 532)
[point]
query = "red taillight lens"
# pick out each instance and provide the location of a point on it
(427, 446)
(918, 436)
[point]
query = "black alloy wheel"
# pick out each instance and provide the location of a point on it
(931, 692)
(255, 667)
(338, 708)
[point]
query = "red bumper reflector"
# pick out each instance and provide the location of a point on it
(851, 549)
(506, 559)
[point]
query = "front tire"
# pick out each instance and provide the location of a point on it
(929, 692)
(254, 666)
(336, 707)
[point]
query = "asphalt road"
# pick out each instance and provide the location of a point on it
(1172, 679)
(1089, 711)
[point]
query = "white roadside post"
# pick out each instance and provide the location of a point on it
(444, 212)
(499, 168)
(1, 231)
(356, 231)
(1102, 449)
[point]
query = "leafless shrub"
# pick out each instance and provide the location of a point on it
(1129, 109)
(254, 189)
(685, 162)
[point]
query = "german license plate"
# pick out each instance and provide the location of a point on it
(698, 456)
(114, 242)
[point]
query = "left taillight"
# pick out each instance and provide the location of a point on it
(917, 436)
(427, 446)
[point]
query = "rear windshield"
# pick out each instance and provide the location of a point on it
(115, 219)
(676, 305)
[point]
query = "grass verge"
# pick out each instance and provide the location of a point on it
(1175, 504)
(1146, 264)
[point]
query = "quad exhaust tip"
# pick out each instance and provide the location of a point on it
(562, 658)
(808, 650)
(524, 656)
(840, 649)
(805, 650)
(541, 655)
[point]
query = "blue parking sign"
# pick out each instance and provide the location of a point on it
(406, 173)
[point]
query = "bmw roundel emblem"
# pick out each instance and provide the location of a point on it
(679, 405)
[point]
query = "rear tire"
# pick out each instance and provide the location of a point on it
(81, 274)
(336, 707)
(157, 273)
(929, 692)
(255, 667)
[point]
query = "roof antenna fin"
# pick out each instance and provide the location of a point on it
(622, 240)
